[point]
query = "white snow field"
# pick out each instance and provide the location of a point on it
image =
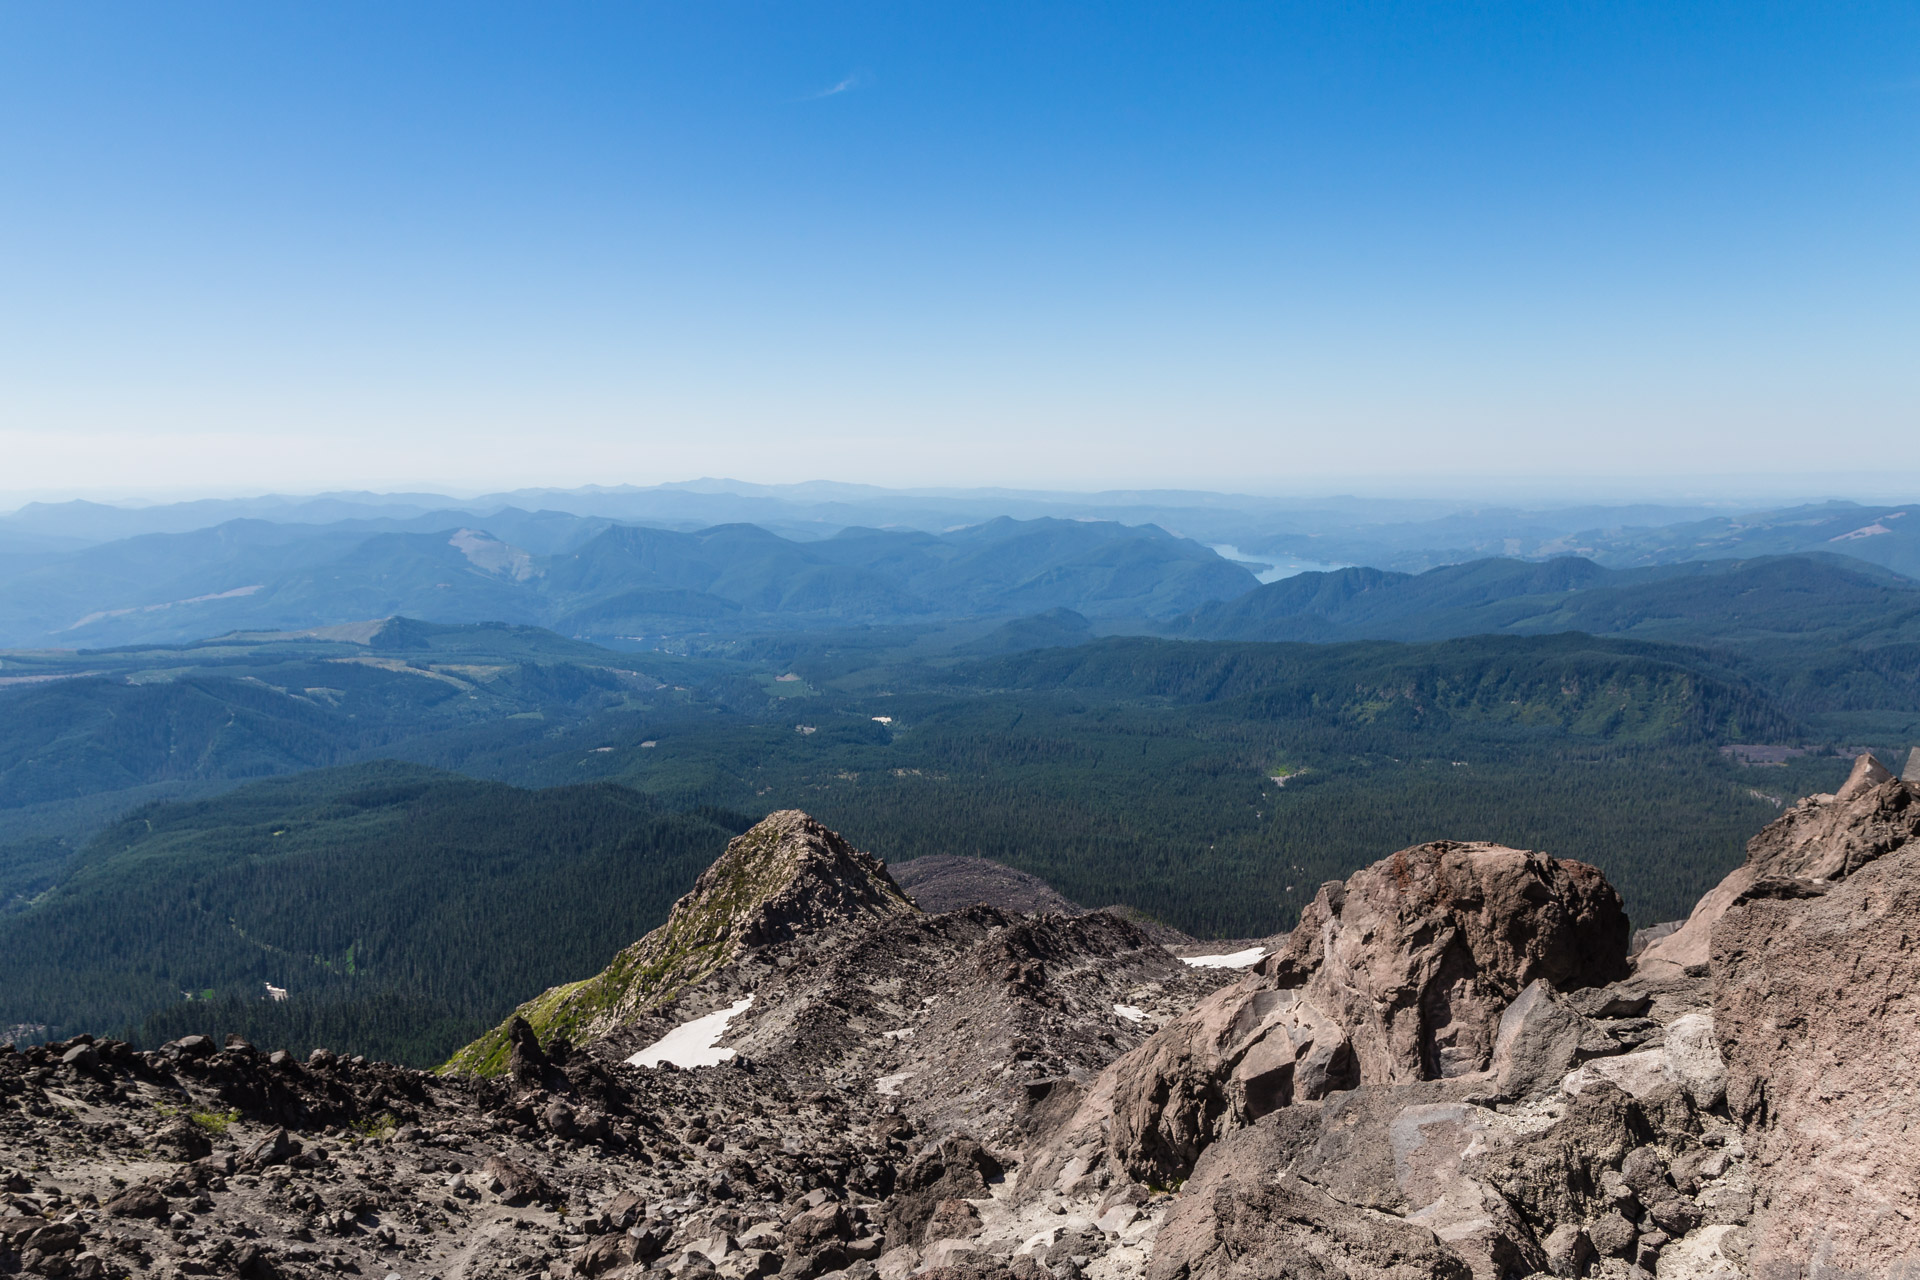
(1231, 960)
(691, 1044)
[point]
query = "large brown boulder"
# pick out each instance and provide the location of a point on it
(1400, 974)
(1816, 992)
(1235, 1224)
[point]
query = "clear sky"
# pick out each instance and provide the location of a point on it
(1256, 246)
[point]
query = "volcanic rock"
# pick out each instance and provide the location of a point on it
(1817, 1009)
(1401, 974)
(945, 883)
(786, 877)
(1824, 837)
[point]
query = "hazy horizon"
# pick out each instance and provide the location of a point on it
(1729, 494)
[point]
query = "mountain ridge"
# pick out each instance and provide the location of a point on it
(788, 874)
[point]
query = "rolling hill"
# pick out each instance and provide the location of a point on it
(1823, 598)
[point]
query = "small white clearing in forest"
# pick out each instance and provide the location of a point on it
(1232, 960)
(1130, 1013)
(691, 1044)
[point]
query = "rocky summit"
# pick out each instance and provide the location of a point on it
(1450, 1068)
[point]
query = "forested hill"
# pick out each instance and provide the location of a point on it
(1800, 599)
(1213, 785)
(403, 909)
(1621, 690)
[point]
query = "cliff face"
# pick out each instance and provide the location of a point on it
(1816, 994)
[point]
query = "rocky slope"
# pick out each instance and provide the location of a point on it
(1449, 1069)
(946, 883)
(787, 877)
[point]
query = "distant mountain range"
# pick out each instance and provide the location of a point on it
(588, 577)
(634, 564)
(819, 509)
(1404, 534)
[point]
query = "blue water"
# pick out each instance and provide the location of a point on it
(1275, 567)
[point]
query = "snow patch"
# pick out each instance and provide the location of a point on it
(1231, 960)
(691, 1044)
(1130, 1013)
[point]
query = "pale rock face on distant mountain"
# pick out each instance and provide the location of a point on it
(1447, 1071)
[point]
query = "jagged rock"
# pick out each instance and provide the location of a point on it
(605, 1253)
(1228, 1226)
(1817, 1009)
(1612, 1236)
(1821, 838)
(811, 1231)
(138, 1202)
(189, 1047)
(1691, 1059)
(1674, 1214)
(1615, 1000)
(1558, 1172)
(517, 1182)
(957, 1219)
(1568, 1250)
(51, 1239)
(276, 1148)
(527, 1063)
(1539, 1037)
(181, 1139)
(1401, 974)
(959, 1168)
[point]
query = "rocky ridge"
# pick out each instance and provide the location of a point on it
(1449, 1069)
(787, 877)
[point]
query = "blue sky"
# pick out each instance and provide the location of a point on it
(1262, 246)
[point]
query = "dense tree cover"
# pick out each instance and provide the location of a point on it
(1832, 598)
(447, 898)
(250, 707)
(28, 868)
(404, 909)
(1174, 809)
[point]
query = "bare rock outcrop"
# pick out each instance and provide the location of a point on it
(1824, 837)
(1817, 1007)
(1229, 1226)
(1400, 974)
